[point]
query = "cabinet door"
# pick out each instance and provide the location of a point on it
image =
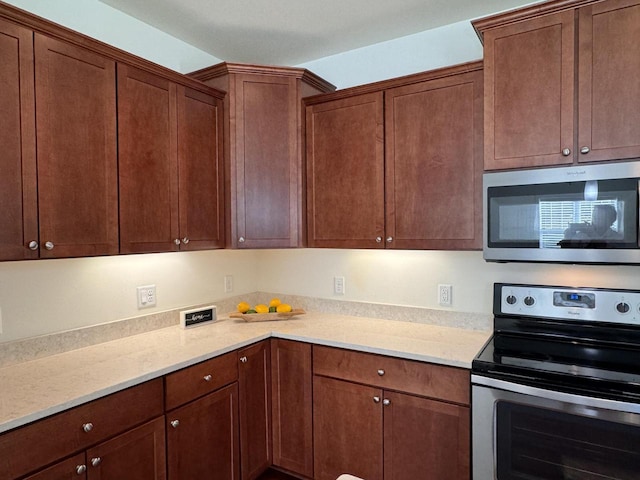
(19, 216)
(425, 439)
(139, 454)
(265, 171)
(608, 88)
(291, 380)
(73, 468)
(433, 142)
(148, 162)
(201, 174)
(254, 384)
(529, 92)
(204, 441)
(77, 162)
(347, 429)
(345, 172)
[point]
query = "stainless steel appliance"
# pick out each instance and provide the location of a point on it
(556, 390)
(577, 214)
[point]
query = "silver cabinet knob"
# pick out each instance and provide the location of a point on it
(241, 240)
(185, 240)
(176, 241)
(378, 239)
(95, 461)
(566, 152)
(175, 423)
(87, 427)
(80, 469)
(33, 245)
(389, 239)
(49, 245)
(376, 399)
(585, 150)
(243, 359)
(381, 372)
(386, 402)
(207, 378)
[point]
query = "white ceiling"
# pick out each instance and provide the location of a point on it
(290, 32)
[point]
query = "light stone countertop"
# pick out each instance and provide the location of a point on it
(38, 388)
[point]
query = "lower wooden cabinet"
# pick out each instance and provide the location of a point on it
(254, 383)
(292, 414)
(202, 437)
(138, 453)
(347, 436)
(366, 424)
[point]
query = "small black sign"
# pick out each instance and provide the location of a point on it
(199, 316)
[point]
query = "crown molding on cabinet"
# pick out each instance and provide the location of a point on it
(41, 25)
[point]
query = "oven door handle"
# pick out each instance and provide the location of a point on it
(572, 398)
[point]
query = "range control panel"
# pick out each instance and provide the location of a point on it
(579, 303)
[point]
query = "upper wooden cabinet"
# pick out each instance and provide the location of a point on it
(170, 176)
(557, 84)
(433, 163)
(263, 148)
(77, 180)
(345, 172)
(398, 164)
(18, 182)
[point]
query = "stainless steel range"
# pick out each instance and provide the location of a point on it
(556, 391)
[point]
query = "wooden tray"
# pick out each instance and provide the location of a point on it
(266, 317)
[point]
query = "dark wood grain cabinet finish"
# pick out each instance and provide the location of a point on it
(18, 182)
(378, 417)
(202, 437)
(398, 164)
(170, 144)
(557, 89)
(147, 133)
(76, 150)
(200, 170)
(264, 170)
(292, 407)
(345, 172)
(254, 387)
(433, 164)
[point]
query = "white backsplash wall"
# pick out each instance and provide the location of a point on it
(46, 296)
(411, 277)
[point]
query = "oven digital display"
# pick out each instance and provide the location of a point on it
(574, 299)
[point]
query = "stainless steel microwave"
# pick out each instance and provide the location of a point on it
(577, 214)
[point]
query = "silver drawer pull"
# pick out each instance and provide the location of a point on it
(376, 399)
(386, 402)
(175, 423)
(243, 359)
(95, 461)
(87, 427)
(381, 372)
(207, 378)
(80, 469)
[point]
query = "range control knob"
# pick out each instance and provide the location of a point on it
(623, 307)
(511, 300)
(529, 301)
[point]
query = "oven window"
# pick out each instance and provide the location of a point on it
(593, 214)
(536, 443)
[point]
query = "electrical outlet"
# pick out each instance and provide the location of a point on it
(338, 285)
(147, 296)
(228, 283)
(444, 295)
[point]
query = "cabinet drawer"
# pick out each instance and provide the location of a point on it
(65, 433)
(198, 380)
(430, 380)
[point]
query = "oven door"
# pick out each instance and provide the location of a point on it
(522, 432)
